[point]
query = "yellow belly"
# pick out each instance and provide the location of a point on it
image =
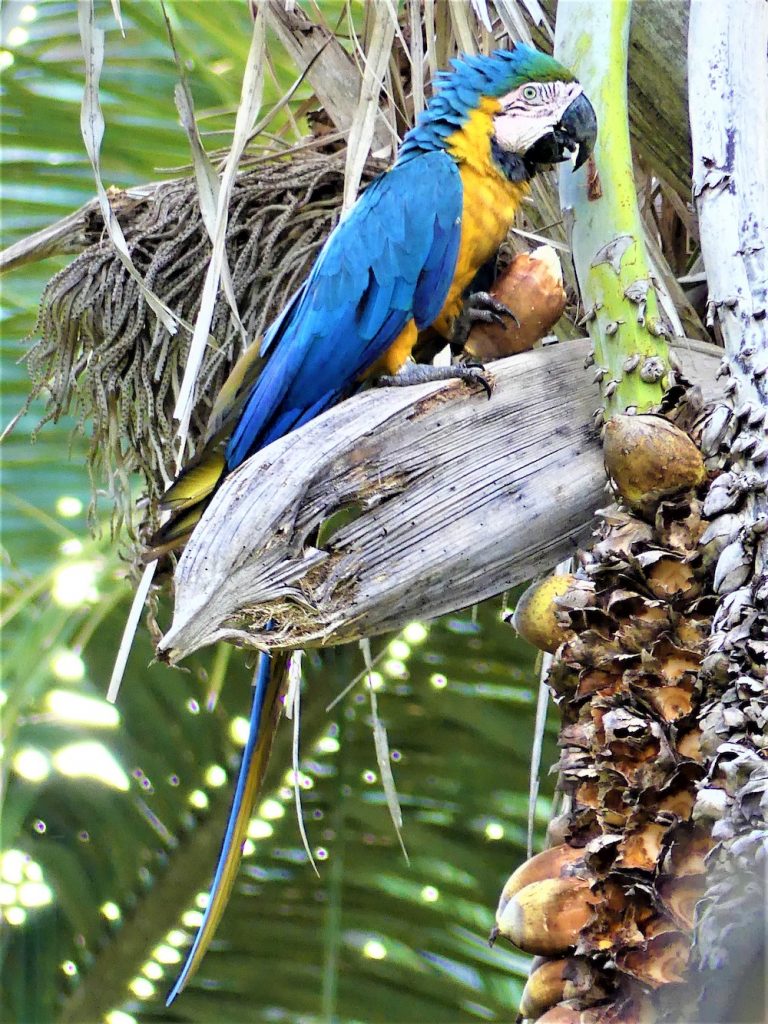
(396, 354)
(490, 204)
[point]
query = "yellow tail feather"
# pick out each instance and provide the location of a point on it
(233, 391)
(196, 481)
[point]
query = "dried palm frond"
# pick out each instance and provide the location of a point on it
(103, 355)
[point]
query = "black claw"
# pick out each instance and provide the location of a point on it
(485, 302)
(486, 316)
(475, 374)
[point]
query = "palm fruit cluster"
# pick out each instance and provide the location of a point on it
(609, 909)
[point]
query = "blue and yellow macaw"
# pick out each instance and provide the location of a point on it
(399, 263)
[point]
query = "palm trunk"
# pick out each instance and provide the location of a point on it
(728, 72)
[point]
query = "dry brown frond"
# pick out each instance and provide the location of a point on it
(103, 355)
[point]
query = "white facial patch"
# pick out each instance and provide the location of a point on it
(530, 111)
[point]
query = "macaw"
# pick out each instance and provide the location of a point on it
(399, 263)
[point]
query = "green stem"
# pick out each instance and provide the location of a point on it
(622, 309)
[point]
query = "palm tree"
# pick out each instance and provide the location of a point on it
(125, 896)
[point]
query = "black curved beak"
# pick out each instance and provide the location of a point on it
(579, 124)
(575, 132)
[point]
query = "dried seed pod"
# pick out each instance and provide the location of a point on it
(556, 862)
(641, 850)
(689, 745)
(545, 987)
(720, 532)
(546, 917)
(743, 444)
(680, 896)
(669, 576)
(715, 429)
(535, 617)
(725, 493)
(734, 567)
(661, 961)
(711, 804)
(532, 287)
(671, 702)
(649, 458)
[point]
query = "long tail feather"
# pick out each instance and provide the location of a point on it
(265, 712)
(196, 481)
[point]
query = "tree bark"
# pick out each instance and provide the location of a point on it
(728, 71)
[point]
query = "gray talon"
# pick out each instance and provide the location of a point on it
(474, 373)
(411, 373)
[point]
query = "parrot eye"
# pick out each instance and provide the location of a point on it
(530, 92)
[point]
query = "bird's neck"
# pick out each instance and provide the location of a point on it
(475, 145)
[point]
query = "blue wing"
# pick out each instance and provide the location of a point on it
(390, 261)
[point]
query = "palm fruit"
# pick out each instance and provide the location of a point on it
(556, 862)
(546, 917)
(553, 981)
(648, 459)
(536, 616)
(630, 1006)
(532, 287)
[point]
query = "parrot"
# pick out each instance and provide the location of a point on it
(401, 261)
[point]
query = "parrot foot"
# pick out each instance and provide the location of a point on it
(479, 307)
(422, 373)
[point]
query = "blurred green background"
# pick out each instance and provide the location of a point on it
(112, 816)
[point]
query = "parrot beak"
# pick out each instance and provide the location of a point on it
(579, 125)
(573, 137)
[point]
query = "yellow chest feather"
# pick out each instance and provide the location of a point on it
(489, 205)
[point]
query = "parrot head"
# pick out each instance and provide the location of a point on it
(540, 114)
(545, 123)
